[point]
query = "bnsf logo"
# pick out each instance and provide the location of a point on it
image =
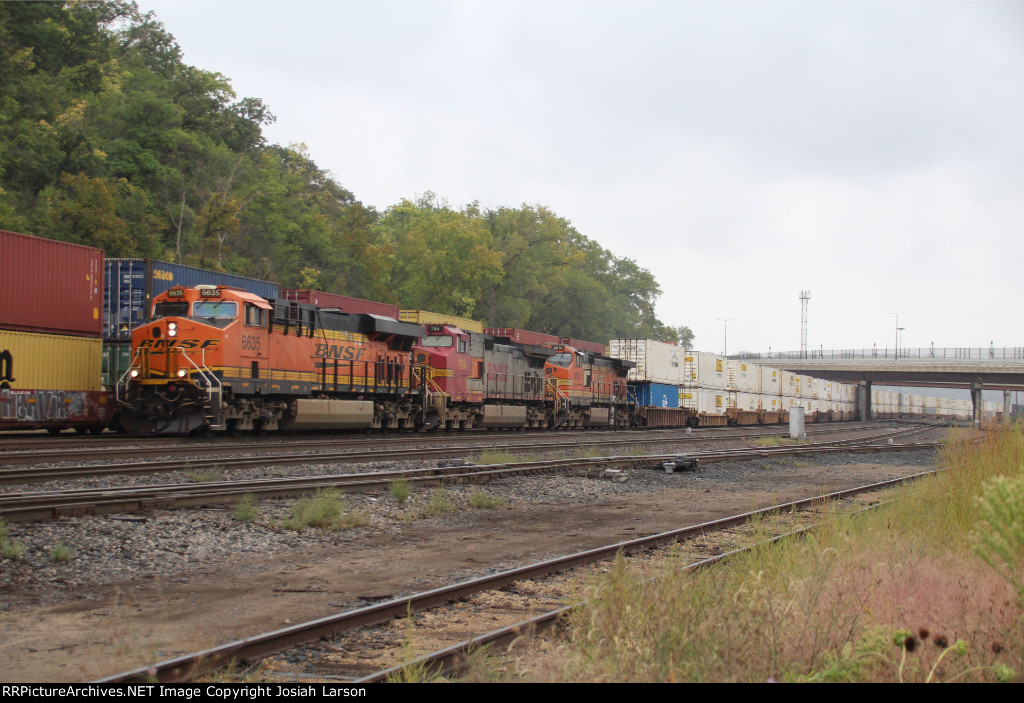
(339, 351)
(183, 343)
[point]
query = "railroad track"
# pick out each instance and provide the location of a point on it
(193, 463)
(255, 648)
(48, 450)
(91, 501)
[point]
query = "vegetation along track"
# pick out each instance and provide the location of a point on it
(252, 649)
(91, 501)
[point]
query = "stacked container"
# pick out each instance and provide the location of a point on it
(50, 345)
(423, 317)
(343, 302)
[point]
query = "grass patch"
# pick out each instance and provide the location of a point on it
(926, 588)
(210, 475)
(776, 441)
(9, 549)
(492, 456)
(326, 510)
(439, 503)
(60, 553)
(400, 489)
(485, 502)
(246, 508)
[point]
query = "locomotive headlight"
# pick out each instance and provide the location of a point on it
(134, 373)
(182, 373)
(172, 329)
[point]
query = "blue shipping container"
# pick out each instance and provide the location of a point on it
(658, 395)
(131, 284)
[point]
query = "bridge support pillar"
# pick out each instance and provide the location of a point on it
(1006, 407)
(864, 400)
(976, 403)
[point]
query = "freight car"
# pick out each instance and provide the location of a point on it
(50, 346)
(216, 357)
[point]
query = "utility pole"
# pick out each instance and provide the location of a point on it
(725, 349)
(805, 296)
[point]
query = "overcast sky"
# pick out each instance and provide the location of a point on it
(869, 152)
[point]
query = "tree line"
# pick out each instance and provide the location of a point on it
(107, 138)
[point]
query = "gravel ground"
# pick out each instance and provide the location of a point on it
(171, 544)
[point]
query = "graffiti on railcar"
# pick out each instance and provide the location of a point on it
(33, 406)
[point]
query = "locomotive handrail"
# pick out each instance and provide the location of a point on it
(123, 379)
(210, 392)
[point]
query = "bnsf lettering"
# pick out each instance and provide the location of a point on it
(340, 351)
(156, 344)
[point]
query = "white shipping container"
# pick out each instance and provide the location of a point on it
(656, 362)
(703, 400)
(743, 376)
(771, 381)
(744, 401)
(824, 389)
(787, 383)
(806, 387)
(704, 370)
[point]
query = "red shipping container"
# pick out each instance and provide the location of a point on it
(333, 300)
(586, 346)
(523, 336)
(49, 286)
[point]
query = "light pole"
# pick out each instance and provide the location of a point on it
(898, 328)
(725, 350)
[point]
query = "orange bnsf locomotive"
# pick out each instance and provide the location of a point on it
(215, 357)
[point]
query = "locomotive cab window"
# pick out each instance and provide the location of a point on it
(254, 316)
(462, 346)
(564, 360)
(178, 308)
(441, 340)
(215, 309)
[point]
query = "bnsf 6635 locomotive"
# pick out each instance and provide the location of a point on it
(222, 358)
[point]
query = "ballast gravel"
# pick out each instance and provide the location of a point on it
(172, 544)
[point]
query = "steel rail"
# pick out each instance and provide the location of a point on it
(30, 475)
(19, 507)
(44, 505)
(11, 458)
(252, 649)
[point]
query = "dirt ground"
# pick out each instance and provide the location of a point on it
(131, 624)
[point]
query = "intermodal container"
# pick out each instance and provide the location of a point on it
(117, 359)
(29, 360)
(131, 284)
(743, 376)
(704, 370)
(584, 345)
(422, 317)
(656, 362)
(771, 381)
(334, 300)
(658, 395)
(49, 286)
(704, 401)
(523, 336)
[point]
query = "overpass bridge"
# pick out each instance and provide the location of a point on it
(975, 368)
